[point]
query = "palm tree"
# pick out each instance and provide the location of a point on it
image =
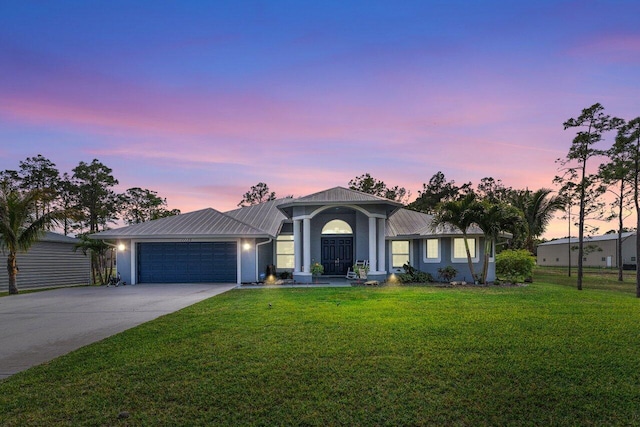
(460, 214)
(538, 208)
(493, 219)
(20, 227)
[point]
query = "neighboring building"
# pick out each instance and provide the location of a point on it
(49, 262)
(602, 251)
(334, 227)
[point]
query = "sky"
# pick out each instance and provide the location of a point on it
(200, 100)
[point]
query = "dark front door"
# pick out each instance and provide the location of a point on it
(337, 255)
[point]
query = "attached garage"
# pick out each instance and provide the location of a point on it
(187, 262)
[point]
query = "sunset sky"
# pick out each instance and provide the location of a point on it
(200, 100)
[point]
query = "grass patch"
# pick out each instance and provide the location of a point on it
(537, 355)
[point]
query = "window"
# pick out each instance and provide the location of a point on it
(544, 260)
(337, 226)
(399, 253)
(432, 250)
(284, 252)
(557, 259)
(633, 259)
(603, 259)
(460, 252)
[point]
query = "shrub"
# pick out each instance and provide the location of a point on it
(413, 275)
(515, 265)
(447, 273)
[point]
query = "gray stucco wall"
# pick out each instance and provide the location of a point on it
(123, 262)
(446, 250)
(248, 261)
(49, 264)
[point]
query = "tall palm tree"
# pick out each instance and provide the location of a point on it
(538, 208)
(460, 214)
(494, 219)
(20, 227)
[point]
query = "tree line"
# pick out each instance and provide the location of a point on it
(35, 197)
(616, 170)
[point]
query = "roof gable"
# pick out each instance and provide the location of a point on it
(264, 216)
(341, 195)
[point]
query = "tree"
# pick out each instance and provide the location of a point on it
(493, 190)
(460, 214)
(94, 197)
(20, 227)
(538, 208)
(40, 173)
(97, 251)
(258, 193)
(141, 205)
(494, 219)
(616, 173)
(10, 179)
(629, 135)
(67, 200)
(368, 184)
(582, 149)
(439, 190)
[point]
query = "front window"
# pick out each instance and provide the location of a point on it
(459, 250)
(399, 253)
(432, 250)
(284, 252)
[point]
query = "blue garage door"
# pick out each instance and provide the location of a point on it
(193, 262)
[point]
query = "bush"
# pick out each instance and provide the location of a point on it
(413, 275)
(447, 273)
(515, 265)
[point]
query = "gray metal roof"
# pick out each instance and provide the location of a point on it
(58, 238)
(206, 222)
(406, 222)
(339, 195)
(265, 216)
(602, 238)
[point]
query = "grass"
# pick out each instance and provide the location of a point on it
(544, 354)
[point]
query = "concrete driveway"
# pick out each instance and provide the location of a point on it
(39, 327)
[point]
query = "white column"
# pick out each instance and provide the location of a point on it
(297, 246)
(381, 245)
(306, 236)
(373, 248)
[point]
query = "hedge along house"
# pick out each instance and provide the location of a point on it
(334, 228)
(50, 262)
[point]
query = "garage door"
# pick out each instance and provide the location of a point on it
(193, 262)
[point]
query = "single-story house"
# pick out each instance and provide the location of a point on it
(334, 227)
(48, 263)
(601, 251)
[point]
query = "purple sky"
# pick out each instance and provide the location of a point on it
(200, 100)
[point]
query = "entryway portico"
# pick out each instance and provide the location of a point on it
(365, 214)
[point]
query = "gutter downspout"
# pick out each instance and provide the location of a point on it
(257, 252)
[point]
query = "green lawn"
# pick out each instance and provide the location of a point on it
(544, 354)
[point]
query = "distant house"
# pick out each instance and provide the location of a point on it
(334, 227)
(602, 251)
(48, 263)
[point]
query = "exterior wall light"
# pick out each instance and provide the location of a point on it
(246, 246)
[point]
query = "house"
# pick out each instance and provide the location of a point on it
(600, 251)
(334, 227)
(50, 262)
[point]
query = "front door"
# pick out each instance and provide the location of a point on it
(337, 255)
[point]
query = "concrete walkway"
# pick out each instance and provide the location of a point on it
(41, 326)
